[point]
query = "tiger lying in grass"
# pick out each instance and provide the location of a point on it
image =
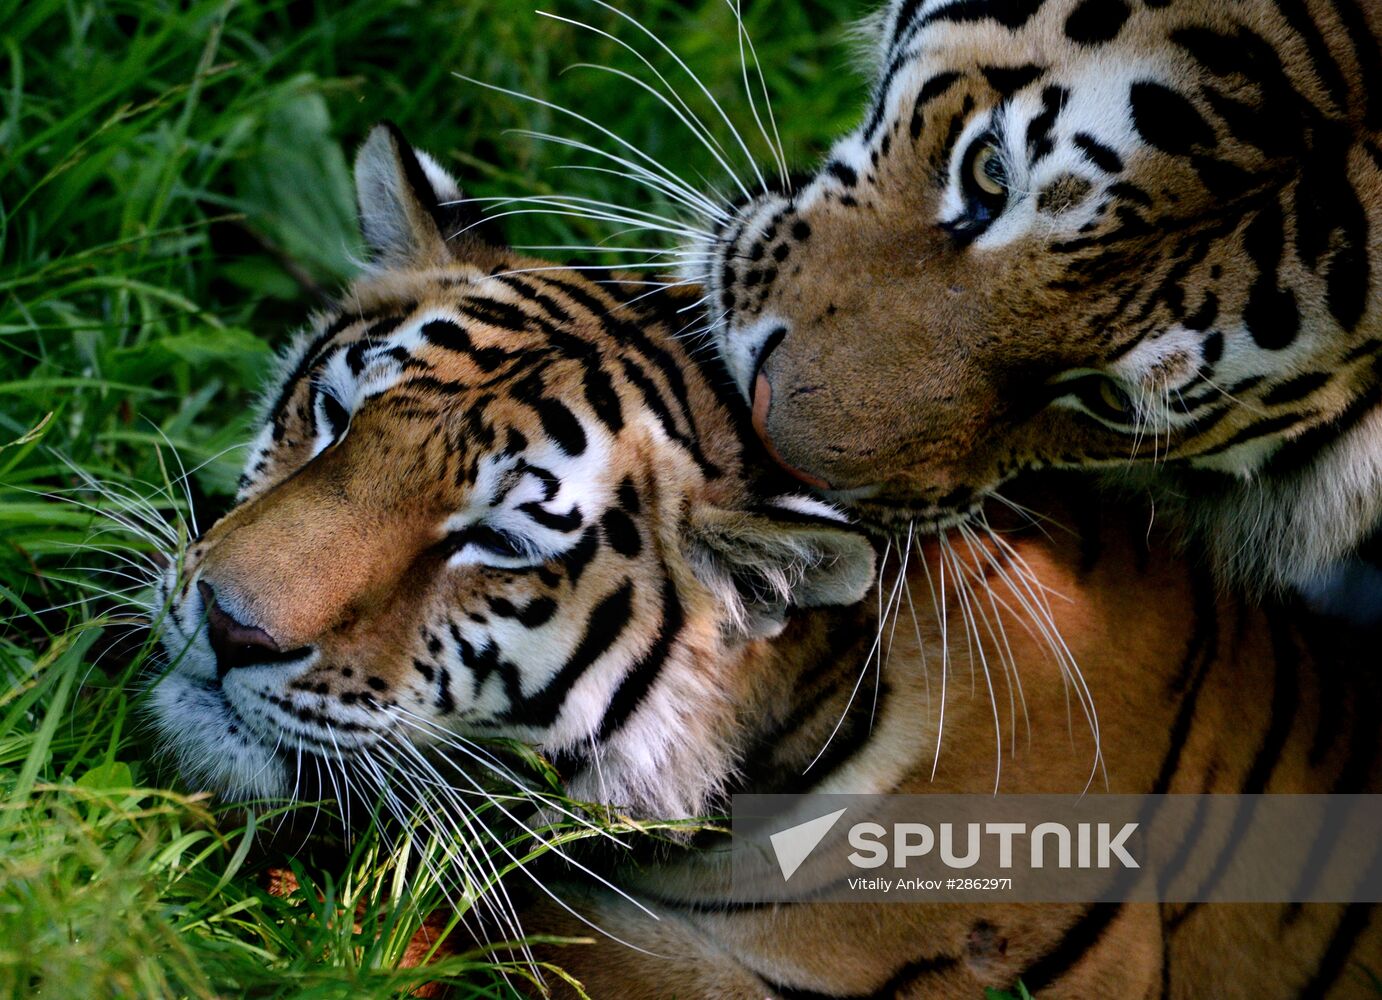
(493, 498)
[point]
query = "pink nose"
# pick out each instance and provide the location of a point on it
(762, 401)
(235, 643)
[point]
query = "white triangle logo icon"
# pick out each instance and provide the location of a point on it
(795, 844)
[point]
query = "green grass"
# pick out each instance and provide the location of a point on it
(1019, 992)
(174, 198)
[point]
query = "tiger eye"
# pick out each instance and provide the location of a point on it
(988, 171)
(1112, 396)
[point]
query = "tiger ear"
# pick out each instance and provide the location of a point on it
(789, 552)
(412, 211)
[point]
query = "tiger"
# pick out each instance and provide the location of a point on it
(498, 498)
(1136, 238)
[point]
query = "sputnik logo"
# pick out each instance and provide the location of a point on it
(795, 844)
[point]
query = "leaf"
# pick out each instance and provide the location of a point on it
(297, 193)
(33, 434)
(203, 350)
(109, 776)
(236, 349)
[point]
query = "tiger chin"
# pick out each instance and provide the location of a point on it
(1134, 239)
(493, 498)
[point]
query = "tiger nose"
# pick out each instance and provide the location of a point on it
(761, 401)
(235, 643)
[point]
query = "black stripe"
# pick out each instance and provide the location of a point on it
(304, 365)
(1206, 421)
(567, 522)
(905, 14)
(1262, 428)
(1326, 69)
(853, 735)
(1167, 120)
(377, 332)
(549, 305)
(952, 132)
(935, 87)
(1200, 654)
(880, 96)
(789, 515)
(1007, 80)
(621, 532)
(1331, 965)
(1011, 14)
(777, 760)
(1174, 867)
(640, 680)
(842, 172)
(551, 485)
(1305, 448)
(1100, 155)
(597, 385)
(492, 312)
(894, 986)
(1165, 993)
(1297, 388)
(1078, 940)
(648, 389)
(1285, 700)
(1366, 51)
(453, 337)
(631, 335)
(1370, 346)
(578, 558)
(930, 90)
(1039, 142)
(561, 425)
(603, 628)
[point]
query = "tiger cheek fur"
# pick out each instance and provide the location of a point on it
(1077, 234)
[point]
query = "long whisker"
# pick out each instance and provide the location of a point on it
(874, 650)
(1029, 591)
(969, 612)
(556, 849)
(680, 108)
(916, 628)
(739, 140)
(579, 202)
(624, 143)
(938, 602)
(688, 197)
(997, 632)
(469, 860)
(575, 213)
(706, 210)
(774, 141)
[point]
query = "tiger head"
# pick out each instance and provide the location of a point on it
(490, 498)
(1069, 233)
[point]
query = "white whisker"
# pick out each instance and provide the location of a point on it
(739, 140)
(774, 141)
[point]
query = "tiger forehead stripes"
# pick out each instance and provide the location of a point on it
(489, 498)
(1087, 233)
